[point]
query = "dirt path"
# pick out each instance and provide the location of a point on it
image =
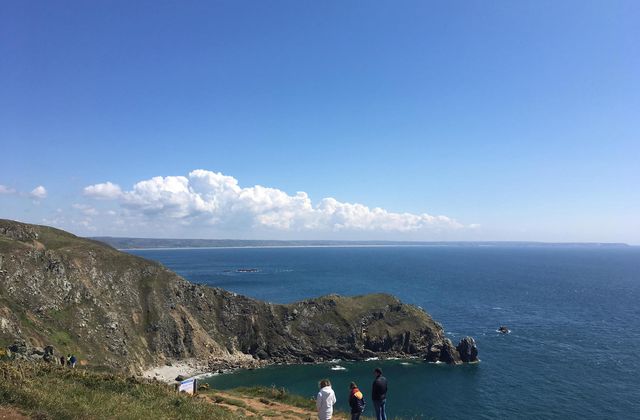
(260, 407)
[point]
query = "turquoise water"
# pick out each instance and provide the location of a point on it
(573, 312)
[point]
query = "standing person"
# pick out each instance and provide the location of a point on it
(62, 360)
(379, 394)
(73, 360)
(356, 401)
(325, 400)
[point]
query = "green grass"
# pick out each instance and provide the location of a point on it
(47, 391)
(61, 338)
(65, 314)
(55, 238)
(8, 245)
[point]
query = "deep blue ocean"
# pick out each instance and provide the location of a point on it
(574, 313)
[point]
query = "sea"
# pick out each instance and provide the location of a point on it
(573, 311)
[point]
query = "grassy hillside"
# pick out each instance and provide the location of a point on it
(47, 391)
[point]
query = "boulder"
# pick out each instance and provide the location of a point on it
(262, 355)
(37, 350)
(468, 350)
(180, 378)
(449, 354)
(433, 355)
(19, 347)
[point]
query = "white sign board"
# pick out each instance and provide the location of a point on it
(188, 386)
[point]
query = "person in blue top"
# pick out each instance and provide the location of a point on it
(73, 360)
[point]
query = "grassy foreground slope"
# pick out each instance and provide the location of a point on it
(47, 391)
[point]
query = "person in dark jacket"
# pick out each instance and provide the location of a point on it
(379, 394)
(356, 401)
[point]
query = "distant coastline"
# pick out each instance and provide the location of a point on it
(166, 243)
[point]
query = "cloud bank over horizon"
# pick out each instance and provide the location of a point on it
(211, 199)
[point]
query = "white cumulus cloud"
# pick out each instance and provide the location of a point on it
(38, 193)
(105, 190)
(211, 198)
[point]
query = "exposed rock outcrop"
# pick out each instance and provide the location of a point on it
(115, 309)
(443, 351)
(468, 350)
(18, 231)
(22, 350)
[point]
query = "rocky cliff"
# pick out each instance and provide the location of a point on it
(118, 310)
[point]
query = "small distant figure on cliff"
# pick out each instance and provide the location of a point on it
(63, 360)
(325, 400)
(356, 401)
(73, 360)
(379, 394)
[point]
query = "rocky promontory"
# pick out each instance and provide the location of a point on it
(121, 311)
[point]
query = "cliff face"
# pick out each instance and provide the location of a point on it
(118, 310)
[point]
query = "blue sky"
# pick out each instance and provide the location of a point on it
(510, 120)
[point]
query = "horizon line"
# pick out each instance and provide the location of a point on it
(365, 242)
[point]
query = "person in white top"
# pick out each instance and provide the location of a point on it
(325, 400)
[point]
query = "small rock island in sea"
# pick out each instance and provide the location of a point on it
(123, 312)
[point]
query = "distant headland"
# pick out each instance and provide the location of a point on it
(167, 243)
